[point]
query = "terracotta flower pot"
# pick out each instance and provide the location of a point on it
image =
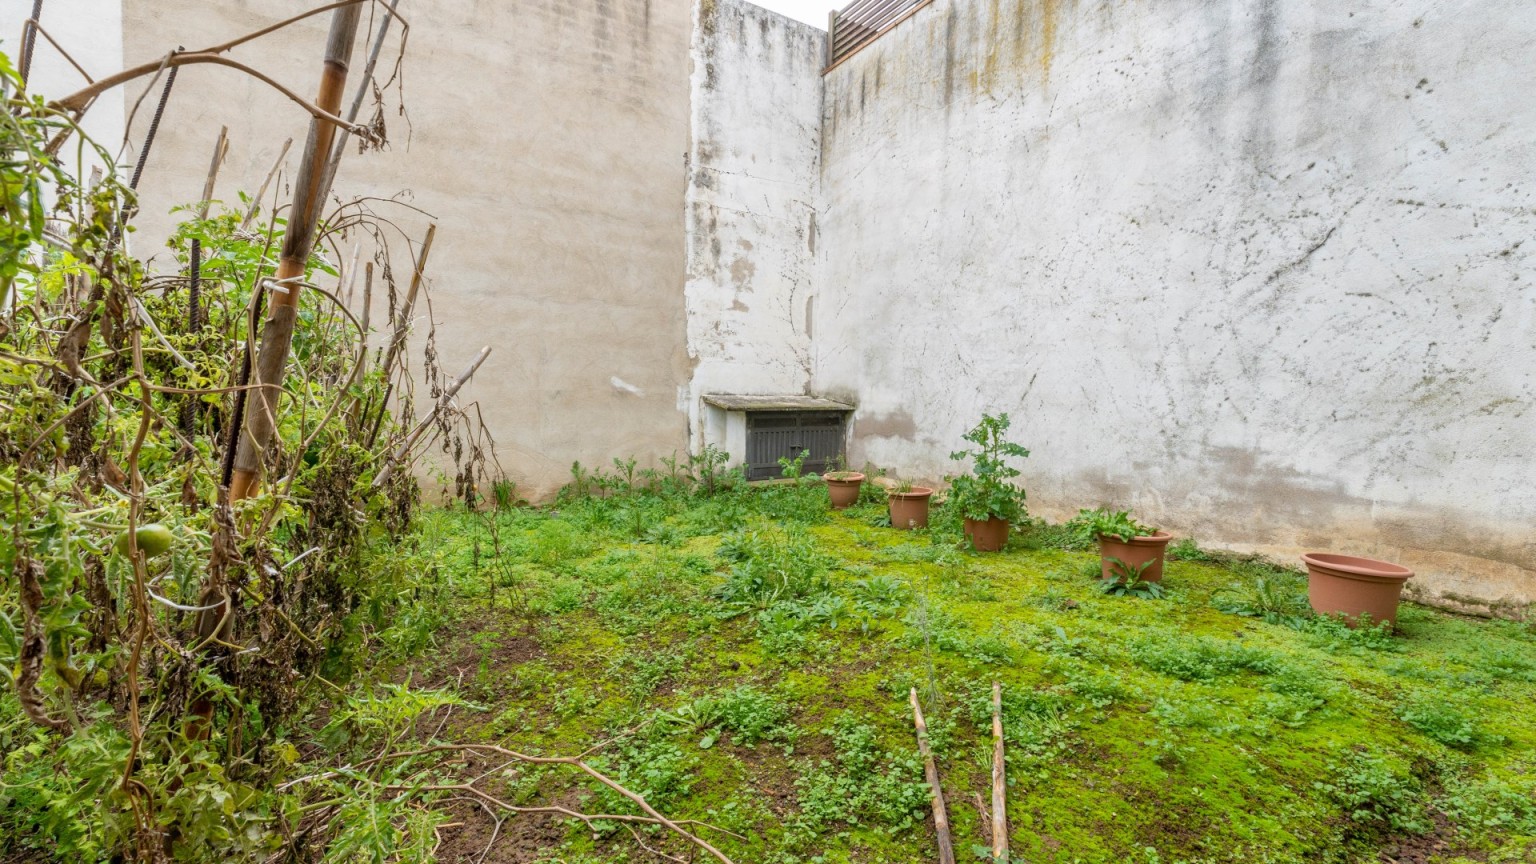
(910, 509)
(987, 535)
(843, 488)
(1136, 552)
(1350, 586)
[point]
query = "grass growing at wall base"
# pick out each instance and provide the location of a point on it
(765, 649)
(747, 658)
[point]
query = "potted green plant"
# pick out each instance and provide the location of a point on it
(909, 505)
(1128, 550)
(842, 485)
(987, 498)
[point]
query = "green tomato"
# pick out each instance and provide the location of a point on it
(153, 539)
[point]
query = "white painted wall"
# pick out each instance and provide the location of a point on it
(92, 32)
(1261, 271)
(751, 213)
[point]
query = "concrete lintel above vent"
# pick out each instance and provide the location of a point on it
(732, 402)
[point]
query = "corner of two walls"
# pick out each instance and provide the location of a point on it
(751, 204)
(1257, 271)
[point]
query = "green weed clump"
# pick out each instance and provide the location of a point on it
(1441, 720)
(748, 713)
(1201, 658)
(1377, 794)
(1492, 804)
(770, 567)
(863, 783)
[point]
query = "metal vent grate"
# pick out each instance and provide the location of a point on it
(773, 435)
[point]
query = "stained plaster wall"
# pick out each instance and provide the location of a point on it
(548, 141)
(92, 32)
(1260, 271)
(751, 208)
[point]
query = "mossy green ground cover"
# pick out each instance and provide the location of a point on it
(752, 655)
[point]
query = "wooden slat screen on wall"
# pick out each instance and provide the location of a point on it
(861, 22)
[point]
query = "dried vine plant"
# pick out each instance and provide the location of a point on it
(162, 632)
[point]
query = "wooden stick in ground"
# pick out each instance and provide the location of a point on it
(189, 406)
(353, 415)
(220, 149)
(364, 81)
(298, 242)
(403, 452)
(940, 816)
(250, 213)
(403, 322)
(402, 326)
(999, 780)
(194, 291)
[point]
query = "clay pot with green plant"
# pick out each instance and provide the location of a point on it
(1361, 590)
(1128, 550)
(843, 488)
(986, 498)
(909, 505)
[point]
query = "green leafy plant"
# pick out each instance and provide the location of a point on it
(988, 491)
(1089, 525)
(864, 783)
(1126, 580)
(771, 568)
(708, 469)
(793, 468)
(1376, 795)
(1276, 599)
(748, 713)
(1442, 721)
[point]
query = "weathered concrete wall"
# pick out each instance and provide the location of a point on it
(548, 141)
(92, 32)
(751, 217)
(1260, 271)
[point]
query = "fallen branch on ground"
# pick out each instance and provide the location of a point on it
(931, 771)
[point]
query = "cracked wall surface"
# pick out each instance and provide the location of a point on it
(1260, 271)
(751, 208)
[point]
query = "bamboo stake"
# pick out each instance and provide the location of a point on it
(367, 309)
(298, 242)
(354, 411)
(194, 288)
(250, 213)
(999, 780)
(403, 322)
(220, 150)
(363, 82)
(402, 325)
(350, 277)
(404, 450)
(940, 816)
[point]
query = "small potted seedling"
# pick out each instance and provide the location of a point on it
(1129, 552)
(842, 485)
(987, 498)
(909, 505)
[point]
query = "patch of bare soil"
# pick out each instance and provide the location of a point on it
(463, 656)
(521, 837)
(1440, 844)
